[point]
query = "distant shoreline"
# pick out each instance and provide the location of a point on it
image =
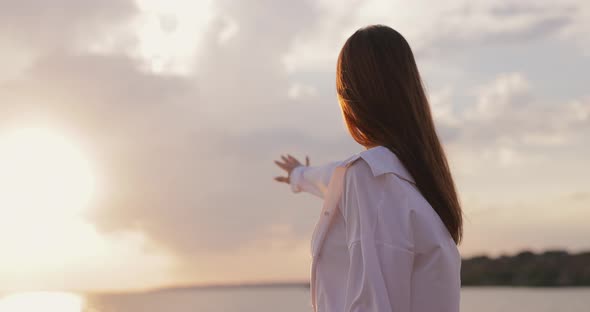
(302, 286)
(552, 268)
(526, 269)
(246, 285)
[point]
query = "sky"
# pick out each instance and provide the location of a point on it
(137, 137)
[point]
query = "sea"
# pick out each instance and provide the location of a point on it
(280, 299)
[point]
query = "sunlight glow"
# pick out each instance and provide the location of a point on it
(170, 32)
(46, 182)
(43, 174)
(48, 186)
(41, 301)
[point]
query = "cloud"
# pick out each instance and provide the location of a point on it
(509, 227)
(492, 23)
(506, 111)
(579, 196)
(506, 92)
(243, 82)
(435, 28)
(63, 22)
(187, 160)
(501, 133)
(166, 170)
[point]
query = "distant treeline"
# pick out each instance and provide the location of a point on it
(549, 269)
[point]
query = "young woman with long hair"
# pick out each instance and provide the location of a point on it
(387, 236)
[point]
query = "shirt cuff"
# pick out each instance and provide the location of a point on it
(295, 179)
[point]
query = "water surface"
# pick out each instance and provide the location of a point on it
(284, 299)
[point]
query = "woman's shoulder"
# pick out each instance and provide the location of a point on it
(372, 195)
(377, 161)
(358, 169)
(361, 176)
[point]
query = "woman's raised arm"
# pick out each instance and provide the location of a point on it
(306, 178)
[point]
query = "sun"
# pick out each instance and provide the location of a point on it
(43, 174)
(42, 301)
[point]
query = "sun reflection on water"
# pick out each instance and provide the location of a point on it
(42, 302)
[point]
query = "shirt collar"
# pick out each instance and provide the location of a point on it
(381, 160)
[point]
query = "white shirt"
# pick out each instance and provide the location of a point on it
(378, 245)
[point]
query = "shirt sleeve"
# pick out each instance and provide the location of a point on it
(312, 180)
(380, 244)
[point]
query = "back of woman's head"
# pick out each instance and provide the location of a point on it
(383, 103)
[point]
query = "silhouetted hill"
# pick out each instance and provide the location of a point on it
(550, 268)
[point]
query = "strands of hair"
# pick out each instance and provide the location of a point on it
(384, 103)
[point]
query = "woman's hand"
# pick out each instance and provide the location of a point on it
(289, 163)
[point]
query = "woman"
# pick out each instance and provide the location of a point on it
(388, 232)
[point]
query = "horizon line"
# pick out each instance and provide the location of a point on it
(255, 284)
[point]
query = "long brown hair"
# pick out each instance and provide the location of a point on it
(384, 103)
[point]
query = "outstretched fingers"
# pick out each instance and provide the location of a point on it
(281, 165)
(282, 179)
